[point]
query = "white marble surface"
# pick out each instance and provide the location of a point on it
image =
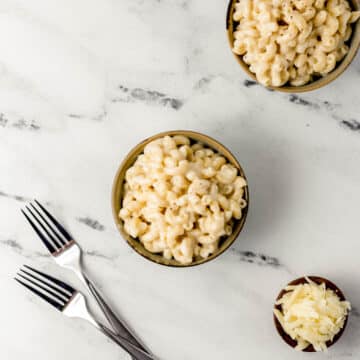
(81, 82)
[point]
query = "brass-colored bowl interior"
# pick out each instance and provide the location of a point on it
(117, 195)
(302, 280)
(354, 44)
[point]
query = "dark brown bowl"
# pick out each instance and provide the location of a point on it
(354, 44)
(117, 195)
(302, 280)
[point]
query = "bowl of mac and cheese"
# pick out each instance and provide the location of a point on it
(294, 45)
(180, 198)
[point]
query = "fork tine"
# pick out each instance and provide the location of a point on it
(60, 291)
(51, 232)
(56, 223)
(54, 280)
(43, 296)
(39, 285)
(49, 246)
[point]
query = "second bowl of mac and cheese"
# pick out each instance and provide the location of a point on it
(294, 45)
(180, 198)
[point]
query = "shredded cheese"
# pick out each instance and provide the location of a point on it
(311, 314)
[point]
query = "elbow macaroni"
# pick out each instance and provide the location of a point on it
(181, 198)
(292, 40)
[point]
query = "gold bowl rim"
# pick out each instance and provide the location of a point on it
(354, 46)
(118, 182)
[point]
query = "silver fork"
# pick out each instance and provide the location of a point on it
(72, 304)
(67, 253)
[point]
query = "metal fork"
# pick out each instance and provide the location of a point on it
(67, 253)
(72, 304)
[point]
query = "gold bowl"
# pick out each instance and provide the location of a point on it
(302, 280)
(117, 194)
(354, 44)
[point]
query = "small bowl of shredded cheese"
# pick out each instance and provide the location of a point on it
(311, 313)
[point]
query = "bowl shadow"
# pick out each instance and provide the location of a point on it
(269, 172)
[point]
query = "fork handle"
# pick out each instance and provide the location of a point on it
(135, 352)
(119, 326)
